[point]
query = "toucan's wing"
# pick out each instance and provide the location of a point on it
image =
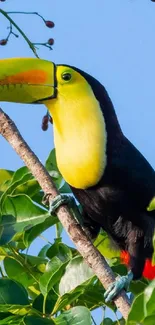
(128, 169)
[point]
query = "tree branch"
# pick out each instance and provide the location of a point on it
(90, 254)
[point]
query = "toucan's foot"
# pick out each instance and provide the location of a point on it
(122, 283)
(70, 201)
(58, 201)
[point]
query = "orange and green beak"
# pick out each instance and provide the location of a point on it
(27, 80)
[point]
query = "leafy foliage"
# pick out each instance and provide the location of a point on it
(55, 287)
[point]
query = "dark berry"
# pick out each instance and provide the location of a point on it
(49, 23)
(44, 125)
(3, 41)
(50, 41)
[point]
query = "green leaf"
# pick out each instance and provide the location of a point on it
(16, 309)
(72, 296)
(75, 316)
(28, 270)
(29, 188)
(137, 287)
(65, 188)
(19, 174)
(143, 303)
(77, 272)
(12, 320)
(33, 320)
(105, 246)
(44, 250)
(89, 294)
(66, 300)
(14, 268)
(107, 321)
(12, 292)
(34, 232)
(60, 250)
(51, 299)
(15, 182)
(3, 253)
(38, 198)
(149, 320)
(121, 322)
(137, 312)
(5, 175)
(33, 291)
(149, 298)
(36, 263)
(59, 229)
(51, 166)
(19, 212)
(34, 260)
(51, 163)
(151, 205)
(120, 269)
(153, 257)
(93, 296)
(52, 275)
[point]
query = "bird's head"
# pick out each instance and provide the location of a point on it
(67, 91)
(80, 107)
(30, 80)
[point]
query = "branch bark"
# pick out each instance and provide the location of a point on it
(90, 254)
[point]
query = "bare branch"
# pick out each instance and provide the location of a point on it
(91, 255)
(32, 47)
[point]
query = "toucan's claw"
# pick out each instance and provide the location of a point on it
(122, 283)
(70, 201)
(58, 201)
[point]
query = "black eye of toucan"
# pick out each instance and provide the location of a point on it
(66, 76)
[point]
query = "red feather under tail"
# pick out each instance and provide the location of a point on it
(149, 268)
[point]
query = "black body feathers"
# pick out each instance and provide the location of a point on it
(118, 203)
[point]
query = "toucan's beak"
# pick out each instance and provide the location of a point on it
(24, 80)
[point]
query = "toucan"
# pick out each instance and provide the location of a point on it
(110, 178)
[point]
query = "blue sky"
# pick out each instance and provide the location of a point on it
(111, 39)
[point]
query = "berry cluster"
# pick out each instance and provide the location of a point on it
(45, 121)
(48, 23)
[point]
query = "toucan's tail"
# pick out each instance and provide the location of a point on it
(149, 268)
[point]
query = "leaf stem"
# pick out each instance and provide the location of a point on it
(45, 239)
(44, 304)
(57, 231)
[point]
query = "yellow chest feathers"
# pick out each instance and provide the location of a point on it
(80, 139)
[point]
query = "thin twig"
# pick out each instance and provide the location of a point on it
(32, 47)
(93, 320)
(26, 13)
(91, 255)
(43, 44)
